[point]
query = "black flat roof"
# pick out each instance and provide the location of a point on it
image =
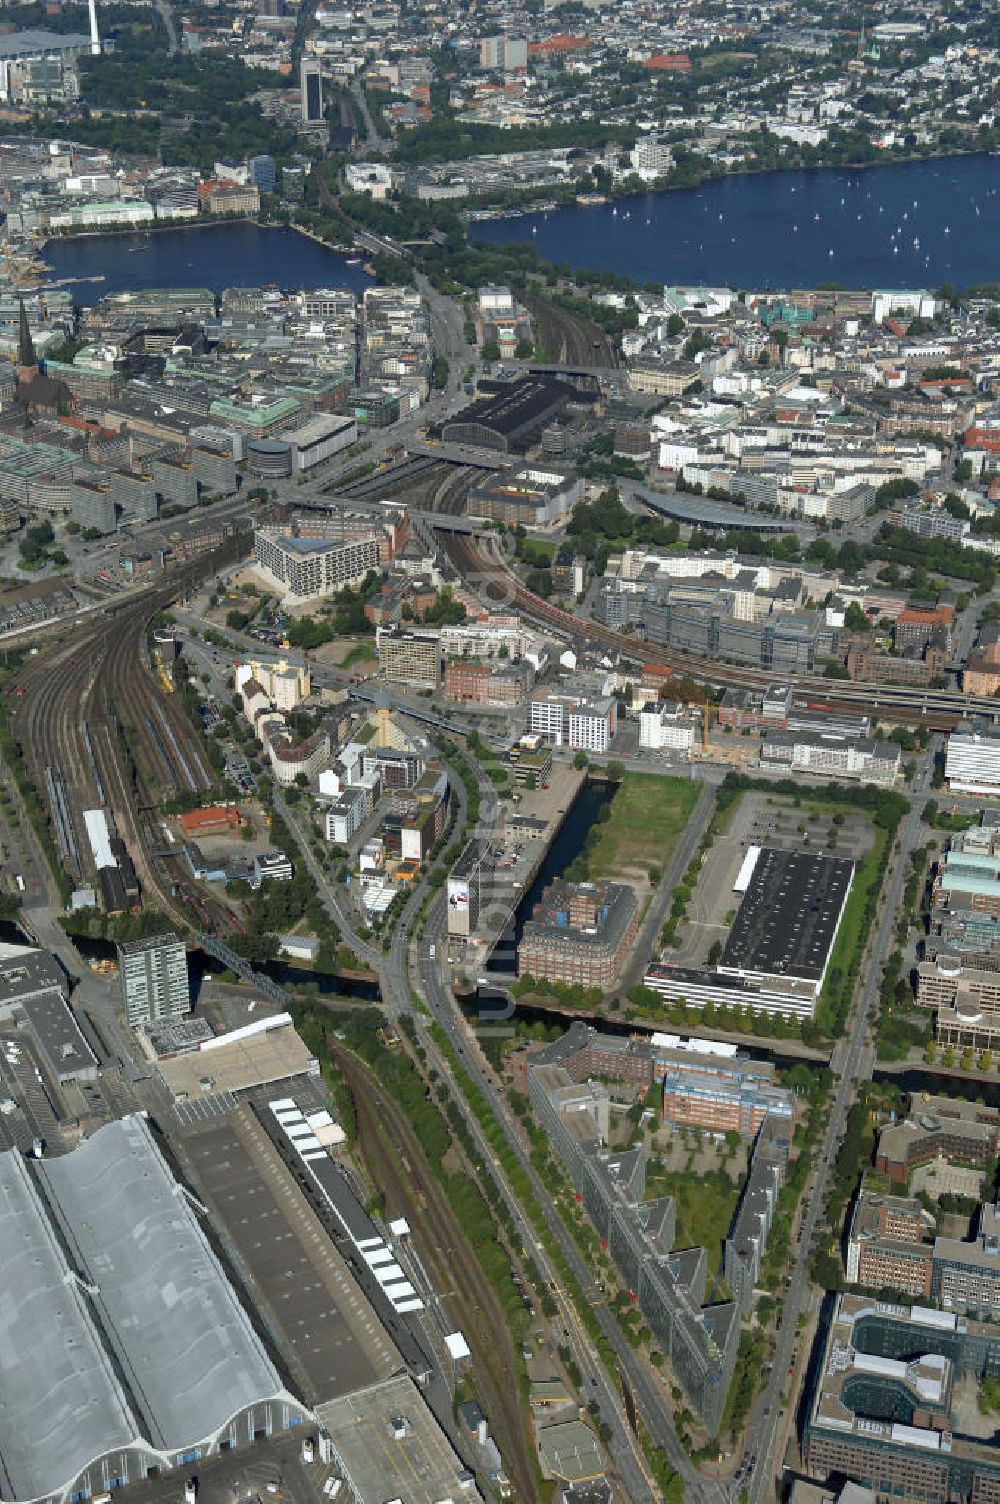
(787, 921)
(518, 406)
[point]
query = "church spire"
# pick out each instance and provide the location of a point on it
(25, 344)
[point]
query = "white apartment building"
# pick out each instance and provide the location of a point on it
(154, 978)
(666, 727)
(651, 158)
(972, 763)
(548, 716)
(345, 818)
(591, 727)
(304, 568)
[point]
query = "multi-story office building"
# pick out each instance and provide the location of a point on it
(967, 1274)
(468, 885)
(972, 763)
(890, 1244)
(706, 1084)
(947, 983)
(827, 755)
(134, 495)
(311, 85)
(154, 978)
(92, 505)
(408, 657)
(938, 1128)
(890, 1405)
(746, 1243)
(214, 469)
(531, 497)
(579, 933)
(969, 875)
(263, 174)
(175, 481)
(699, 1341)
(718, 1093)
(306, 568)
(319, 438)
(713, 623)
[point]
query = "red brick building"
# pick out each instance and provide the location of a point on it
(215, 820)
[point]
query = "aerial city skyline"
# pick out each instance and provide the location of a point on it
(500, 741)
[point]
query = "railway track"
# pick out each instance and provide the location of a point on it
(398, 1166)
(96, 731)
(939, 710)
(452, 493)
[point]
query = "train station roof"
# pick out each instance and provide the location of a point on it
(61, 1404)
(186, 1347)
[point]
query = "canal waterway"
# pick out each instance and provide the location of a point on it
(216, 256)
(567, 845)
(203, 967)
(909, 224)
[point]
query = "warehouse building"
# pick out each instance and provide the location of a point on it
(579, 933)
(27, 974)
(788, 919)
(57, 1036)
(99, 1390)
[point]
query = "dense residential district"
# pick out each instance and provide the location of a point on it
(500, 788)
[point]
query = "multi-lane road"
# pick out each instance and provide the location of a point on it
(852, 1063)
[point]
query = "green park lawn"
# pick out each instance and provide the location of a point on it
(648, 814)
(705, 1207)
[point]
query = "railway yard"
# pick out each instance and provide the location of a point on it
(396, 1164)
(568, 338)
(97, 732)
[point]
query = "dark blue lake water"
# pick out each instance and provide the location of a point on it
(225, 255)
(913, 224)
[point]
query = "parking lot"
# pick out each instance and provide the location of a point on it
(29, 1106)
(760, 820)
